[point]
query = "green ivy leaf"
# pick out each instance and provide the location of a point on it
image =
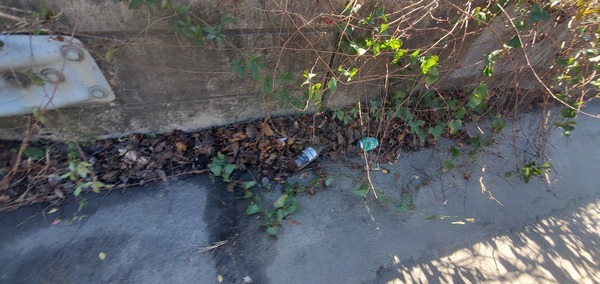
(279, 215)
(286, 77)
(350, 73)
(490, 60)
(181, 9)
(454, 125)
(392, 44)
(430, 80)
(380, 12)
(280, 202)
(83, 169)
(35, 78)
(383, 28)
(521, 25)
(460, 113)
(447, 165)
(498, 124)
(362, 190)
(404, 206)
(210, 30)
(97, 185)
(538, 14)
(247, 194)
(272, 231)
(481, 141)
(478, 96)
(134, 4)
(455, 152)
(414, 57)
(566, 126)
(227, 170)
(332, 85)
(438, 130)
(34, 153)
(291, 209)
(329, 181)
(252, 209)
(568, 112)
(421, 133)
(526, 174)
(248, 184)
(488, 71)
(77, 190)
(428, 63)
(254, 66)
(359, 50)
(399, 54)
(513, 43)
(215, 169)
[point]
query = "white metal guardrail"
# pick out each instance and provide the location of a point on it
(48, 72)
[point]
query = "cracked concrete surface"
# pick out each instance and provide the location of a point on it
(484, 228)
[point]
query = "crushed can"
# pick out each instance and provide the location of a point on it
(368, 143)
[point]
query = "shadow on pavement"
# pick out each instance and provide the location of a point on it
(563, 249)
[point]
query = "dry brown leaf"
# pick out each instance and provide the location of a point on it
(230, 187)
(400, 137)
(251, 131)
(4, 198)
(59, 193)
(161, 174)
(266, 130)
(237, 137)
(181, 147)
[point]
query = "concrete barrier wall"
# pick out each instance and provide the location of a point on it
(163, 81)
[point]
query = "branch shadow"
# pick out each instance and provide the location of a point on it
(557, 249)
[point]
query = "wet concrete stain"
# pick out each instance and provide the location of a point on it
(248, 249)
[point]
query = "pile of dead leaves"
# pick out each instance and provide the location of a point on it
(265, 146)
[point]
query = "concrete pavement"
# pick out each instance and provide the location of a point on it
(471, 224)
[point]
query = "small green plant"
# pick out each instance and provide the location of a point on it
(406, 203)
(362, 190)
(482, 140)
(498, 124)
(185, 22)
(219, 167)
(76, 216)
(533, 170)
(39, 18)
(283, 206)
(35, 78)
(477, 99)
(447, 165)
(79, 172)
(34, 153)
(343, 116)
